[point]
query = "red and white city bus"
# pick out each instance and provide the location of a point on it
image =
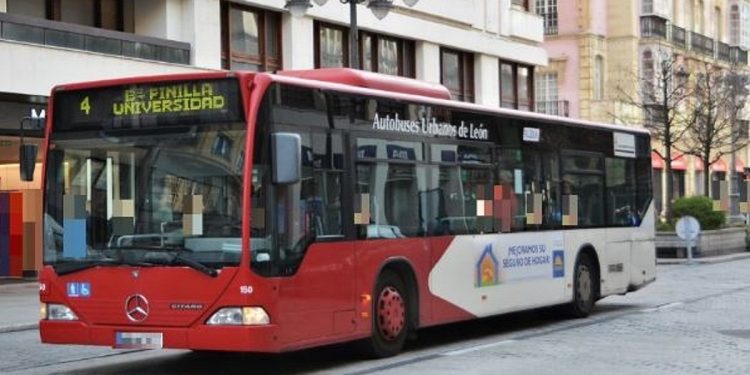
(271, 212)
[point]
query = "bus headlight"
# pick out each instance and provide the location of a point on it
(55, 311)
(248, 316)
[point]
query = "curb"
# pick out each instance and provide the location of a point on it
(19, 327)
(707, 260)
(18, 285)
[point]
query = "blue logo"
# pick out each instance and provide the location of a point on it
(558, 263)
(79, 290)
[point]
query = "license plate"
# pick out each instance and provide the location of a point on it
(138, 340)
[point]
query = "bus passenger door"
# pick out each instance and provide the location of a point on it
(317, 302)
(316, 295)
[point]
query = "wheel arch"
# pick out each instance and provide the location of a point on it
(404, 269)
(590, 251)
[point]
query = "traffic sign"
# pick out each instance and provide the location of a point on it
(688, 228)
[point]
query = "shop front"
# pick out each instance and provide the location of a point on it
(20, 201)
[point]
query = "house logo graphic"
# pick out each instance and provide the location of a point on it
(487, 269)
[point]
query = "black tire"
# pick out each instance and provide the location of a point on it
(584, 288)
(390, 317)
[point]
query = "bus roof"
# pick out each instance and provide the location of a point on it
(343, 82)
(384, 82)
(360, 82)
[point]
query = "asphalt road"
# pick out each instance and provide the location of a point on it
(693, 320)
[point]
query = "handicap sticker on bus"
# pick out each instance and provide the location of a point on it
(76, 289)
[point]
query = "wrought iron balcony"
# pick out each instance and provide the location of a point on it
(722, 52)
(702, 43)
(679, 37)
(737, 55)
(555, 107)
(653, 27)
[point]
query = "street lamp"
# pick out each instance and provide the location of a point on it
(379, 8)
(738, 93)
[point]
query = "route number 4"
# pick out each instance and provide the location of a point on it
(86, 105)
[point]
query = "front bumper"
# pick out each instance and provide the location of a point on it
(261, 339)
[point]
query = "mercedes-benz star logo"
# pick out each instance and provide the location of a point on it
(136, 308)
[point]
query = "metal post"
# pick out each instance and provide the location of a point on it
(733, 186)
(689, 245)
(353, 35)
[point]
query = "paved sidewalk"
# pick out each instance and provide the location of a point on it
(19, 306)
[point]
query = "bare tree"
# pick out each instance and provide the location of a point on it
(718, 98)
(659, 93)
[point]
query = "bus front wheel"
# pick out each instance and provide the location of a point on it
(389, 316)
(583, 288)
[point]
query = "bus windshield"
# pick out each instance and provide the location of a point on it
(168, 196)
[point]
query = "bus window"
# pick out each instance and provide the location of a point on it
(584, 178)
(621, 202)
(463, 183)
(309, 210)
(388, 192)
(510, 180)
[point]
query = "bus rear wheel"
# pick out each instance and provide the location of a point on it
(390, 322)
(584, 291)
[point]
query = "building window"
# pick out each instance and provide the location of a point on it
(745, 26)
(548, 10)
(516, 86)
(388, 55)
(546, 94)
(598, 78)
(743, 130)
(332, 46)
(522, 4)
(251, 38)
(734, 25)
(457, 73)
(647, 66)
(717, 24)
(647, 7)
(105, 14)
(378, 53)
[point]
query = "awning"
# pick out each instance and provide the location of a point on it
(679, 161)
(656, 161)
(739, 166)
(698, 163)
(719, 166)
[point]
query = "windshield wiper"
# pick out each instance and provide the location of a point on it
(66, 268)
(176, 259)
(194, 264)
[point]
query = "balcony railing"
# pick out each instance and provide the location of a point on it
(679, 36)
(556, 107)
(722, 51)
(702, 43)
(58, 34)
(737, 55)
(653, 26)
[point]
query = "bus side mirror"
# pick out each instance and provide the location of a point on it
(287, 158)
(27, 158)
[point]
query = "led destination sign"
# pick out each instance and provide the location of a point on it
(183, 97)
(144, 105)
